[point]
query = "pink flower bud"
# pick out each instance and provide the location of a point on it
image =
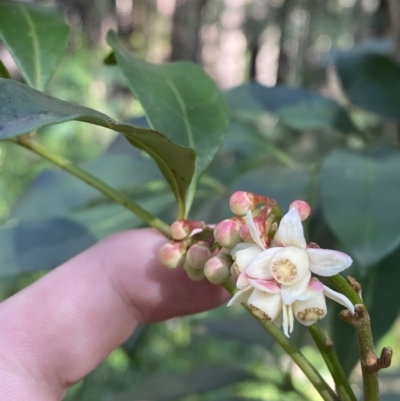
(172, 254)
(226, 233)
(302, 207)
(245, 231)
(198, 254)
(217, 269)
(181, 229)
(193, 274)
(241, 202)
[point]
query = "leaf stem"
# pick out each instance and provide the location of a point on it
(301, 361)
(327, 351)
(29, 143)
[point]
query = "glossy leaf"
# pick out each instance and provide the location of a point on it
(181, 101)
(23, 109)
(360, 200)
(297, 108)
(371, 81)
(163, 387)
(36, 37)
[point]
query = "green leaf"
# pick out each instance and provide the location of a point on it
(297, 108)
(360, 200)
(384, 283)
(23, 109)
(181, 101)
(165, 387)
(36, 37)
(372, 82)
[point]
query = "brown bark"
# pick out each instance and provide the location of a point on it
(186, 29)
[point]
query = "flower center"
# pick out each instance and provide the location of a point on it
(284, 271)
(311, 314)
(289, 265)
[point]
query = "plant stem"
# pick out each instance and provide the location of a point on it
(315, 378)
(327, 351)
(29, 143)
(362, 325)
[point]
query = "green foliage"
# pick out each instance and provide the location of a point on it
(23, 109)
(36, 37)
(364, 179)
(372, 81)
(181, 101)
(297, 108)
(279, 143)
(171, 386)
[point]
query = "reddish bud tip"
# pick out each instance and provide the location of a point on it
(302, 207)
(217, 269)
(226, 233)
(179, 230)
(198, 254)
(172, 254)
(241, 202)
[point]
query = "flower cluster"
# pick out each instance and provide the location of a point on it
(268, 256)
(276, 281)
(193, 246)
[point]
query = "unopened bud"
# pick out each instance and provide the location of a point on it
(245, 232)
(302, 207)
(181, 229)
(198, 254)
(226, 233)
(193, 274)
(172, 254)
(241, 202)
(217, 269)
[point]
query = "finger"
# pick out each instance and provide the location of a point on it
(65, 324)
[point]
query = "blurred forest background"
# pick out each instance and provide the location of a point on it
(272, 42)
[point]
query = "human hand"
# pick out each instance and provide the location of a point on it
(57, 330)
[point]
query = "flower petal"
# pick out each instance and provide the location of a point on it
(339, 298)
(313, 289)
(308, 312)
(292, 292)
(253, 230)
(243, 254)
(242, 281)
(290, 231)
(291, 318)
(270, 304)
(326, 262)
(285, 323)
(241, 296)
(260, 266)
(269, 286)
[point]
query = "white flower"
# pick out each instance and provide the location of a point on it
(276, 282)
(290, 263)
